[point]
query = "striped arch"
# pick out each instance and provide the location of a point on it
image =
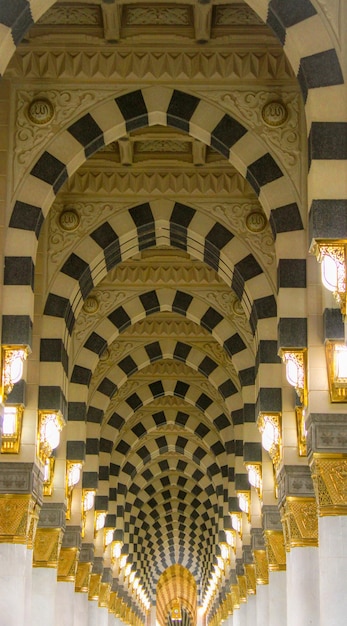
(109, 121)
(306, 40)
(170, 349)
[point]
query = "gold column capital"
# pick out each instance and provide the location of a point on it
(94, 587)
(47, 547)
(67, 565)
(250, 578)
(261, 567)
(329, 475)
(300, 522)
(104, 595)
(235, 596)
(276, 551)
(242, 583)
(82, 578)
(18, 518)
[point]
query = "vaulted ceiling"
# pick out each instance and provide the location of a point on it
(162, 244)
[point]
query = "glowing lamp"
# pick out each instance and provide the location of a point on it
(13, 358)
(99, 523)
(333, 256)
(336, 358)
(244, 498)
(296, 366)
(269, 425)
(12, 429)
(50, 427)
(88, 498)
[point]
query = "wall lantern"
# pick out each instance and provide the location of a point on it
(333, 258)
(244, 498)
(236, 522)
(255, 476)
(336, 358)
(117, 544)
(72, 478)
(88, 497)
(48, 476)
(269, 425)
(49, 429)
(12, 429)
(296, 370)
(13, 358)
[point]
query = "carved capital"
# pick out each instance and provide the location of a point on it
(261, 567)
(330, 482)
(235, 594)
(82, 578)
(105, 588)
(18, 518)
(276, 552)
(326, 434)
(300, 522)
(294, 481)
(47, 547)
(67, 565)
(251, 582)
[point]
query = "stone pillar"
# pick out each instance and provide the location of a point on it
(261, 576)
(251, 611)
(67, 567)
(20, 503)
(300, 526)
(104, 596)
(276, 556)
(327, 452)
(152, 616)
(249, 569)
(47, 545)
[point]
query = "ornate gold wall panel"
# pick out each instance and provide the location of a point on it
(250, 578)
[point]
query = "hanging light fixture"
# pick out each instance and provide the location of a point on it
(296, 370)
(332, 255)
(117, 544)
(88, 497)
(12, 364)
(72, 478)
(244, 498)
(12, 429)
(50, 426)
(269, 425)
(336, 358)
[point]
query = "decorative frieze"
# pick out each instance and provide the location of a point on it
(69, 553)
(274, 538)
(20, 502)
(142, 65)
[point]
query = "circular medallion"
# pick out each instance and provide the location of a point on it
(90, 305)
(274, 113)
(256, 222)
(40, 111)
(69, 219)
(105, 355)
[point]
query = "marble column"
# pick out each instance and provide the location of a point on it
(240, 616)
(327, 453)
(276, 556)
(48, 539)
(94, 592)
(300, 524)
(251, 607)
(19, 512)
(67, 567)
